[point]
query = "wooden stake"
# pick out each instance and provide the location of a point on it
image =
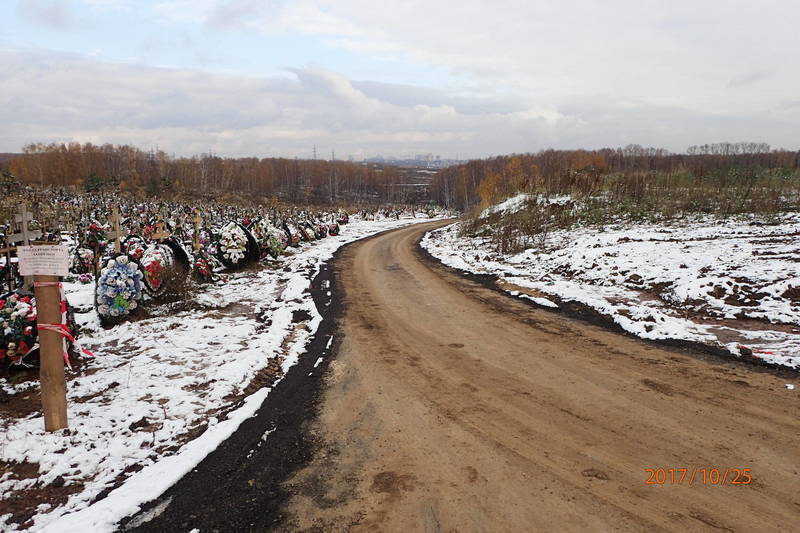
(198, 221)
(51, 350)
(117, 234)
(96, 260)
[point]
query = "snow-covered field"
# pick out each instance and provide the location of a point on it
(733, 284)
(157, 398)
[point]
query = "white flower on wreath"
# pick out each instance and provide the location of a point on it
(233, 243)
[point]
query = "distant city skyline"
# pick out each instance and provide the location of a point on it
(251, 78)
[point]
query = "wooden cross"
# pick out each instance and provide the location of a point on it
(198, 221)
(50, 219)
(25, 235)
(44, 219)
(69, 223)
(117, 234)
(160, 233)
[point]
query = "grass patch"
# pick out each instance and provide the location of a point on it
(584, 199)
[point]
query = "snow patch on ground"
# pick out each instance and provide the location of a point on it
(518, 202)
(729, 283)
(511, 205)
(155, 379)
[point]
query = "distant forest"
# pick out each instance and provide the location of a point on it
(634, 168)
(628, 172)
(109, 167)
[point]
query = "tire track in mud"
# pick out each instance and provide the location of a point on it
(453, 407)
(444, 405)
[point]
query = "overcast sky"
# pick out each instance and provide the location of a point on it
(468, 78)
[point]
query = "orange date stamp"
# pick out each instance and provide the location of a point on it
(698, 476)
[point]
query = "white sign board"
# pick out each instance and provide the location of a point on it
(45, 260)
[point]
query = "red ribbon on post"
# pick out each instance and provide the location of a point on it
(51, 351)
(63, 328)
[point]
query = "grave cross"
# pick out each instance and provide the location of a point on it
(198, 221)
(69, 224)
(160, 233)
(25, 235)
(117, 234)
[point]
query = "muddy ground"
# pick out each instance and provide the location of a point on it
(451, 407)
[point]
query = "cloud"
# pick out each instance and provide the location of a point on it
(53, 13)
(239, 13)
(410, 95)
(750, 78)
(58, 97)
(184, 11)
(681, 53)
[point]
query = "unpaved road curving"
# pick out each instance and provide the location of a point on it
(451, 407)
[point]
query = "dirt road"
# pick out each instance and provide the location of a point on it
(451, 407)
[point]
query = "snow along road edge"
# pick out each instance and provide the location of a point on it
(580, 310)
(153, 481)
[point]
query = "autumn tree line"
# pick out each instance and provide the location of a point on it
(731, 173)
(130, 169)
(741, 172)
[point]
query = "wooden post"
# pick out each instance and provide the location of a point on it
(116, 235)
(96, 259)
(198, 221)
(46, 264)
(51, 349)
(68, 225)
